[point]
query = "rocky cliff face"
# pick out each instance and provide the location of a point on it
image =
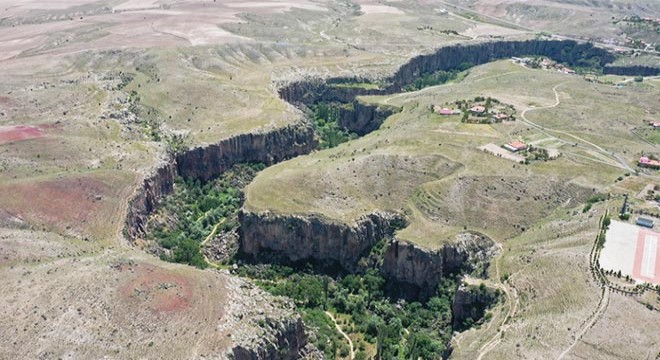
(363, 119)
(211, 161)
(269, 148)
(147, 199)
(297, 238)
(410, 264)
(471, 303)
(450, 57)
(281, 340)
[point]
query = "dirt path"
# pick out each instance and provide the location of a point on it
(215, 228)
(512, 299)
(618, 161)
(208, 238)
(350, 342)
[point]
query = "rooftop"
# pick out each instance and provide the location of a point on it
(517, 144)
(445, 111)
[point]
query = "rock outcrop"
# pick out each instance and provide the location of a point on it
(410, 264)
(281, 340)
(471, 302)
(363, 119)
(298, 238)
(148, 198)
(451, 57)
(271, 147)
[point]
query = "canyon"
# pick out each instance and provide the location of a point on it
(297, 238)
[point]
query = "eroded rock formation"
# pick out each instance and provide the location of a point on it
(208, 162)
(282, 340)
(411, 264)
(297, 238)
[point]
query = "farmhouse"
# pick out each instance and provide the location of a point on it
(501, 116)
(645, 222)
(648, 163)
(478, 109)
(516, 146)
(444, 111)
(655, 124)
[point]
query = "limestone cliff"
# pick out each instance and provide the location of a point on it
(205, 163)
(147, 199)
(363, 119)
(407, 263)
(297, 238)
(470, 303)
(450, 57)
(281, 340)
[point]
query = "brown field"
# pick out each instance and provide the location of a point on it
(84, 206)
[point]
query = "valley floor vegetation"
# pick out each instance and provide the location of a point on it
(196, 211)
(385, 327)
(366, 306)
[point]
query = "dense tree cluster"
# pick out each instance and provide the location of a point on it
(436, 78)
(363, 300)
(190, 214)
(326, 123)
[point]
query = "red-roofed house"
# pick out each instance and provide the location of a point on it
(445, 111)
(516, 146)
(648, 163)
(501, 116)
(478, 109)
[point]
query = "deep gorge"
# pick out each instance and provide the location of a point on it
(313, 238)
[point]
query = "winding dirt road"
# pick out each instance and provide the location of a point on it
(512, 299)
(618, 160)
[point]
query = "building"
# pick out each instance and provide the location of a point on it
(516, 146)
(655, 124)
(445, 111)
(501, 116)
(648, 163)
(645, 222)
(478, 109)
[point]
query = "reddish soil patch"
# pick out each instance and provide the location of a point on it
(73, 201)
(5, 100)
(19, 132)
(158, 289)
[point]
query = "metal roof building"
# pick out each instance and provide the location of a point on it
(645, 222)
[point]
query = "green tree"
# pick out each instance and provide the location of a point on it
(188, 252)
